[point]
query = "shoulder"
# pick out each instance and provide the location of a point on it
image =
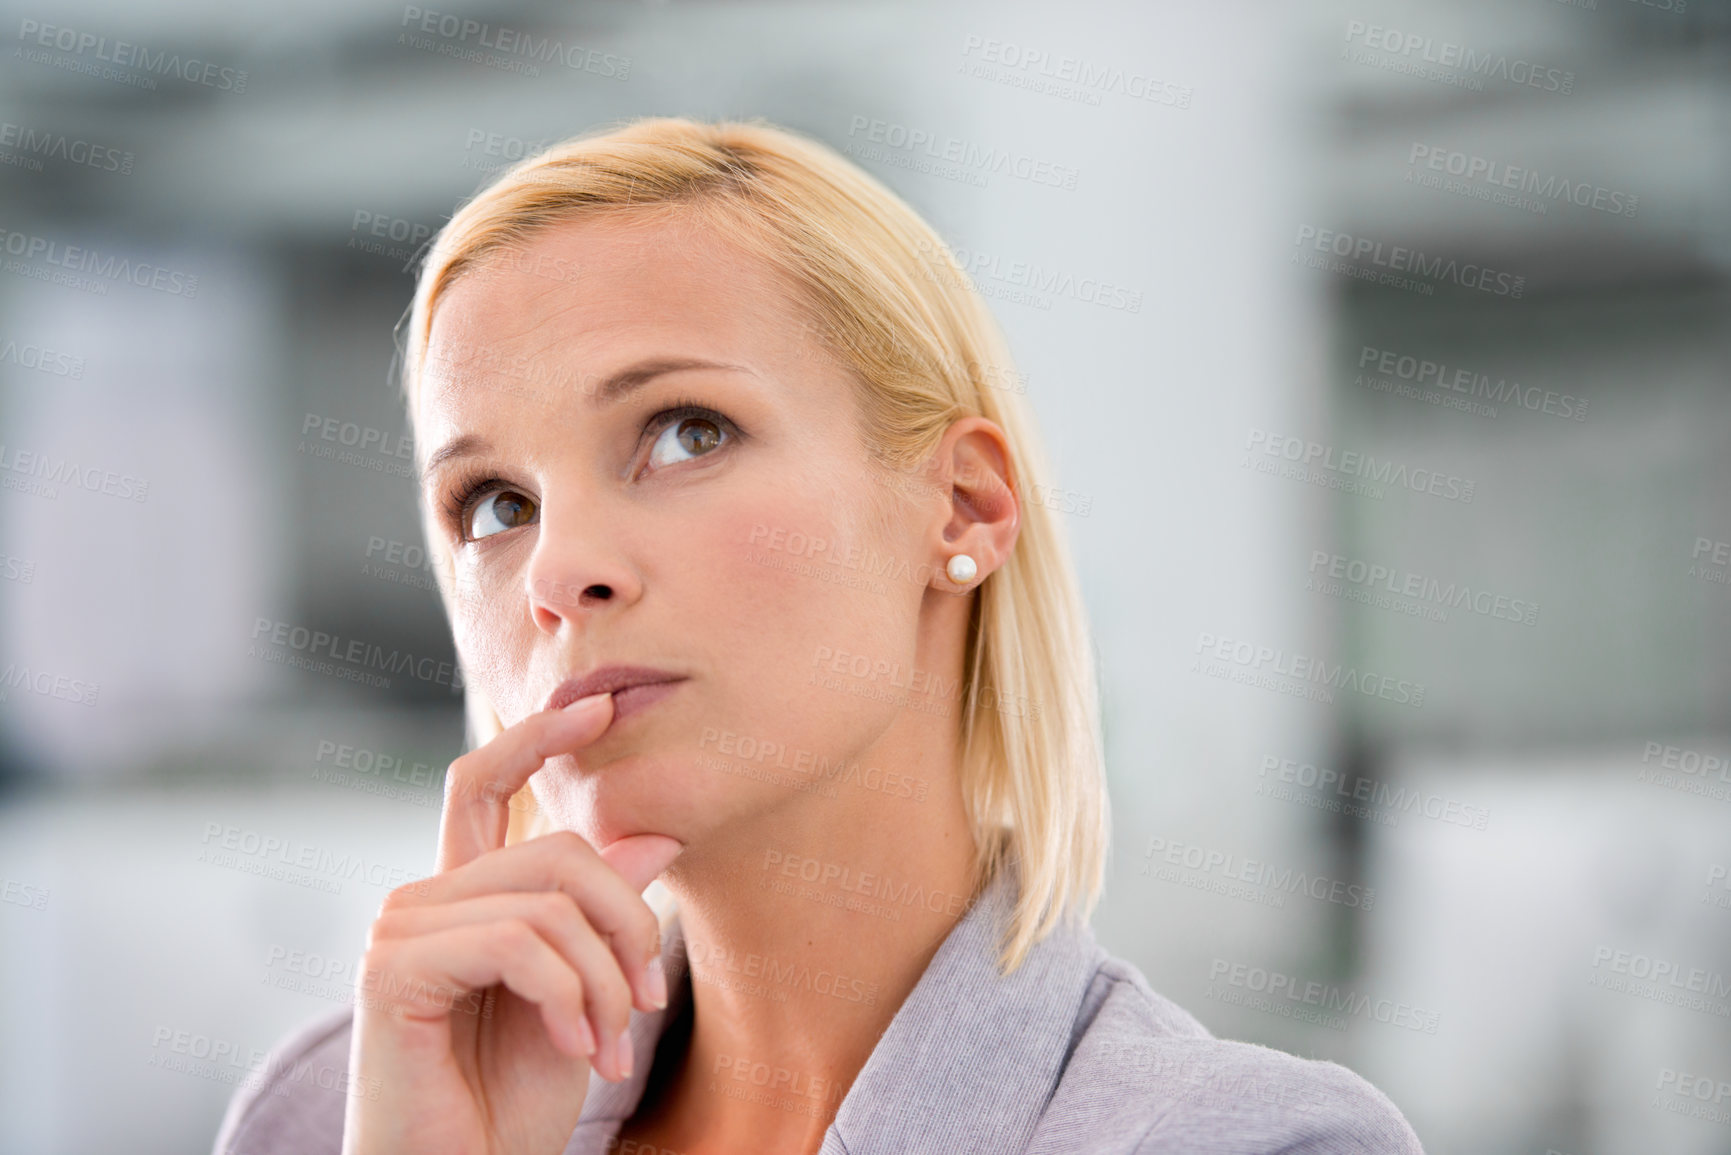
(294, 1101)
(1144, 1071)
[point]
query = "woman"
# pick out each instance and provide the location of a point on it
(726, 479)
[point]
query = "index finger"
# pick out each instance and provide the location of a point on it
(479, 786)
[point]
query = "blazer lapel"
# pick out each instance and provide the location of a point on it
(968, 1063)
(971, 1058)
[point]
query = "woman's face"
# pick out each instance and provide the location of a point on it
(641, 456)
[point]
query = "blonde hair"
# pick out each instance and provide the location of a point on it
(892, 305)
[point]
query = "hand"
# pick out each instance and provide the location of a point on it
(488, 989)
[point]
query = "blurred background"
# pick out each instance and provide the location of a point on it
(1384, 353)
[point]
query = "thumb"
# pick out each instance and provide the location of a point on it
(640, 858)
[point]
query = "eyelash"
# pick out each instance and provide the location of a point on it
(470, 485)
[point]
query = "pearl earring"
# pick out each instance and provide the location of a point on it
(961, 569)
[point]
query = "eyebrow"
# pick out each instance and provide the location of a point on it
(615, 388)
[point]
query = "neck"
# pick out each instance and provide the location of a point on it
(804, 936)
(806, 929)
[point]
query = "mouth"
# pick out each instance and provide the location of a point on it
(633, 688)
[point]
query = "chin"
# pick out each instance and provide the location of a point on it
(630, 796)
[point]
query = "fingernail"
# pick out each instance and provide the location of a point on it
(625, 1055)
(589, 703)
(586, 1036)
(657, 984)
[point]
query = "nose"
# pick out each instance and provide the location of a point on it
(578, 568)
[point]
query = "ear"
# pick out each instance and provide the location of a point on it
(982, 515)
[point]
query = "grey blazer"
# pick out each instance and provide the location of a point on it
(1071, 1053)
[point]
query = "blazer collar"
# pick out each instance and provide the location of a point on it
(968, 1063)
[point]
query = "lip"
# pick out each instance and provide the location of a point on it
(608, 680)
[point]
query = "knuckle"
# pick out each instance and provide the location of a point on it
(576, 995)
(569, 871)
(575, 882)
(389, 924)
(644, 927)
(399, 898)
(610, 998)
(518, 937)
(557, 907)
(568, 842)
(461, 769)
(378, 959)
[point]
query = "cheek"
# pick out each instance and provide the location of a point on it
(795, 584)
(489, 625)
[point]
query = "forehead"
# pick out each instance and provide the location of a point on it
(581, 299)
(585, 283)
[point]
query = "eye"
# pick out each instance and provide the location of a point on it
(498, 511)
(693, 436)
